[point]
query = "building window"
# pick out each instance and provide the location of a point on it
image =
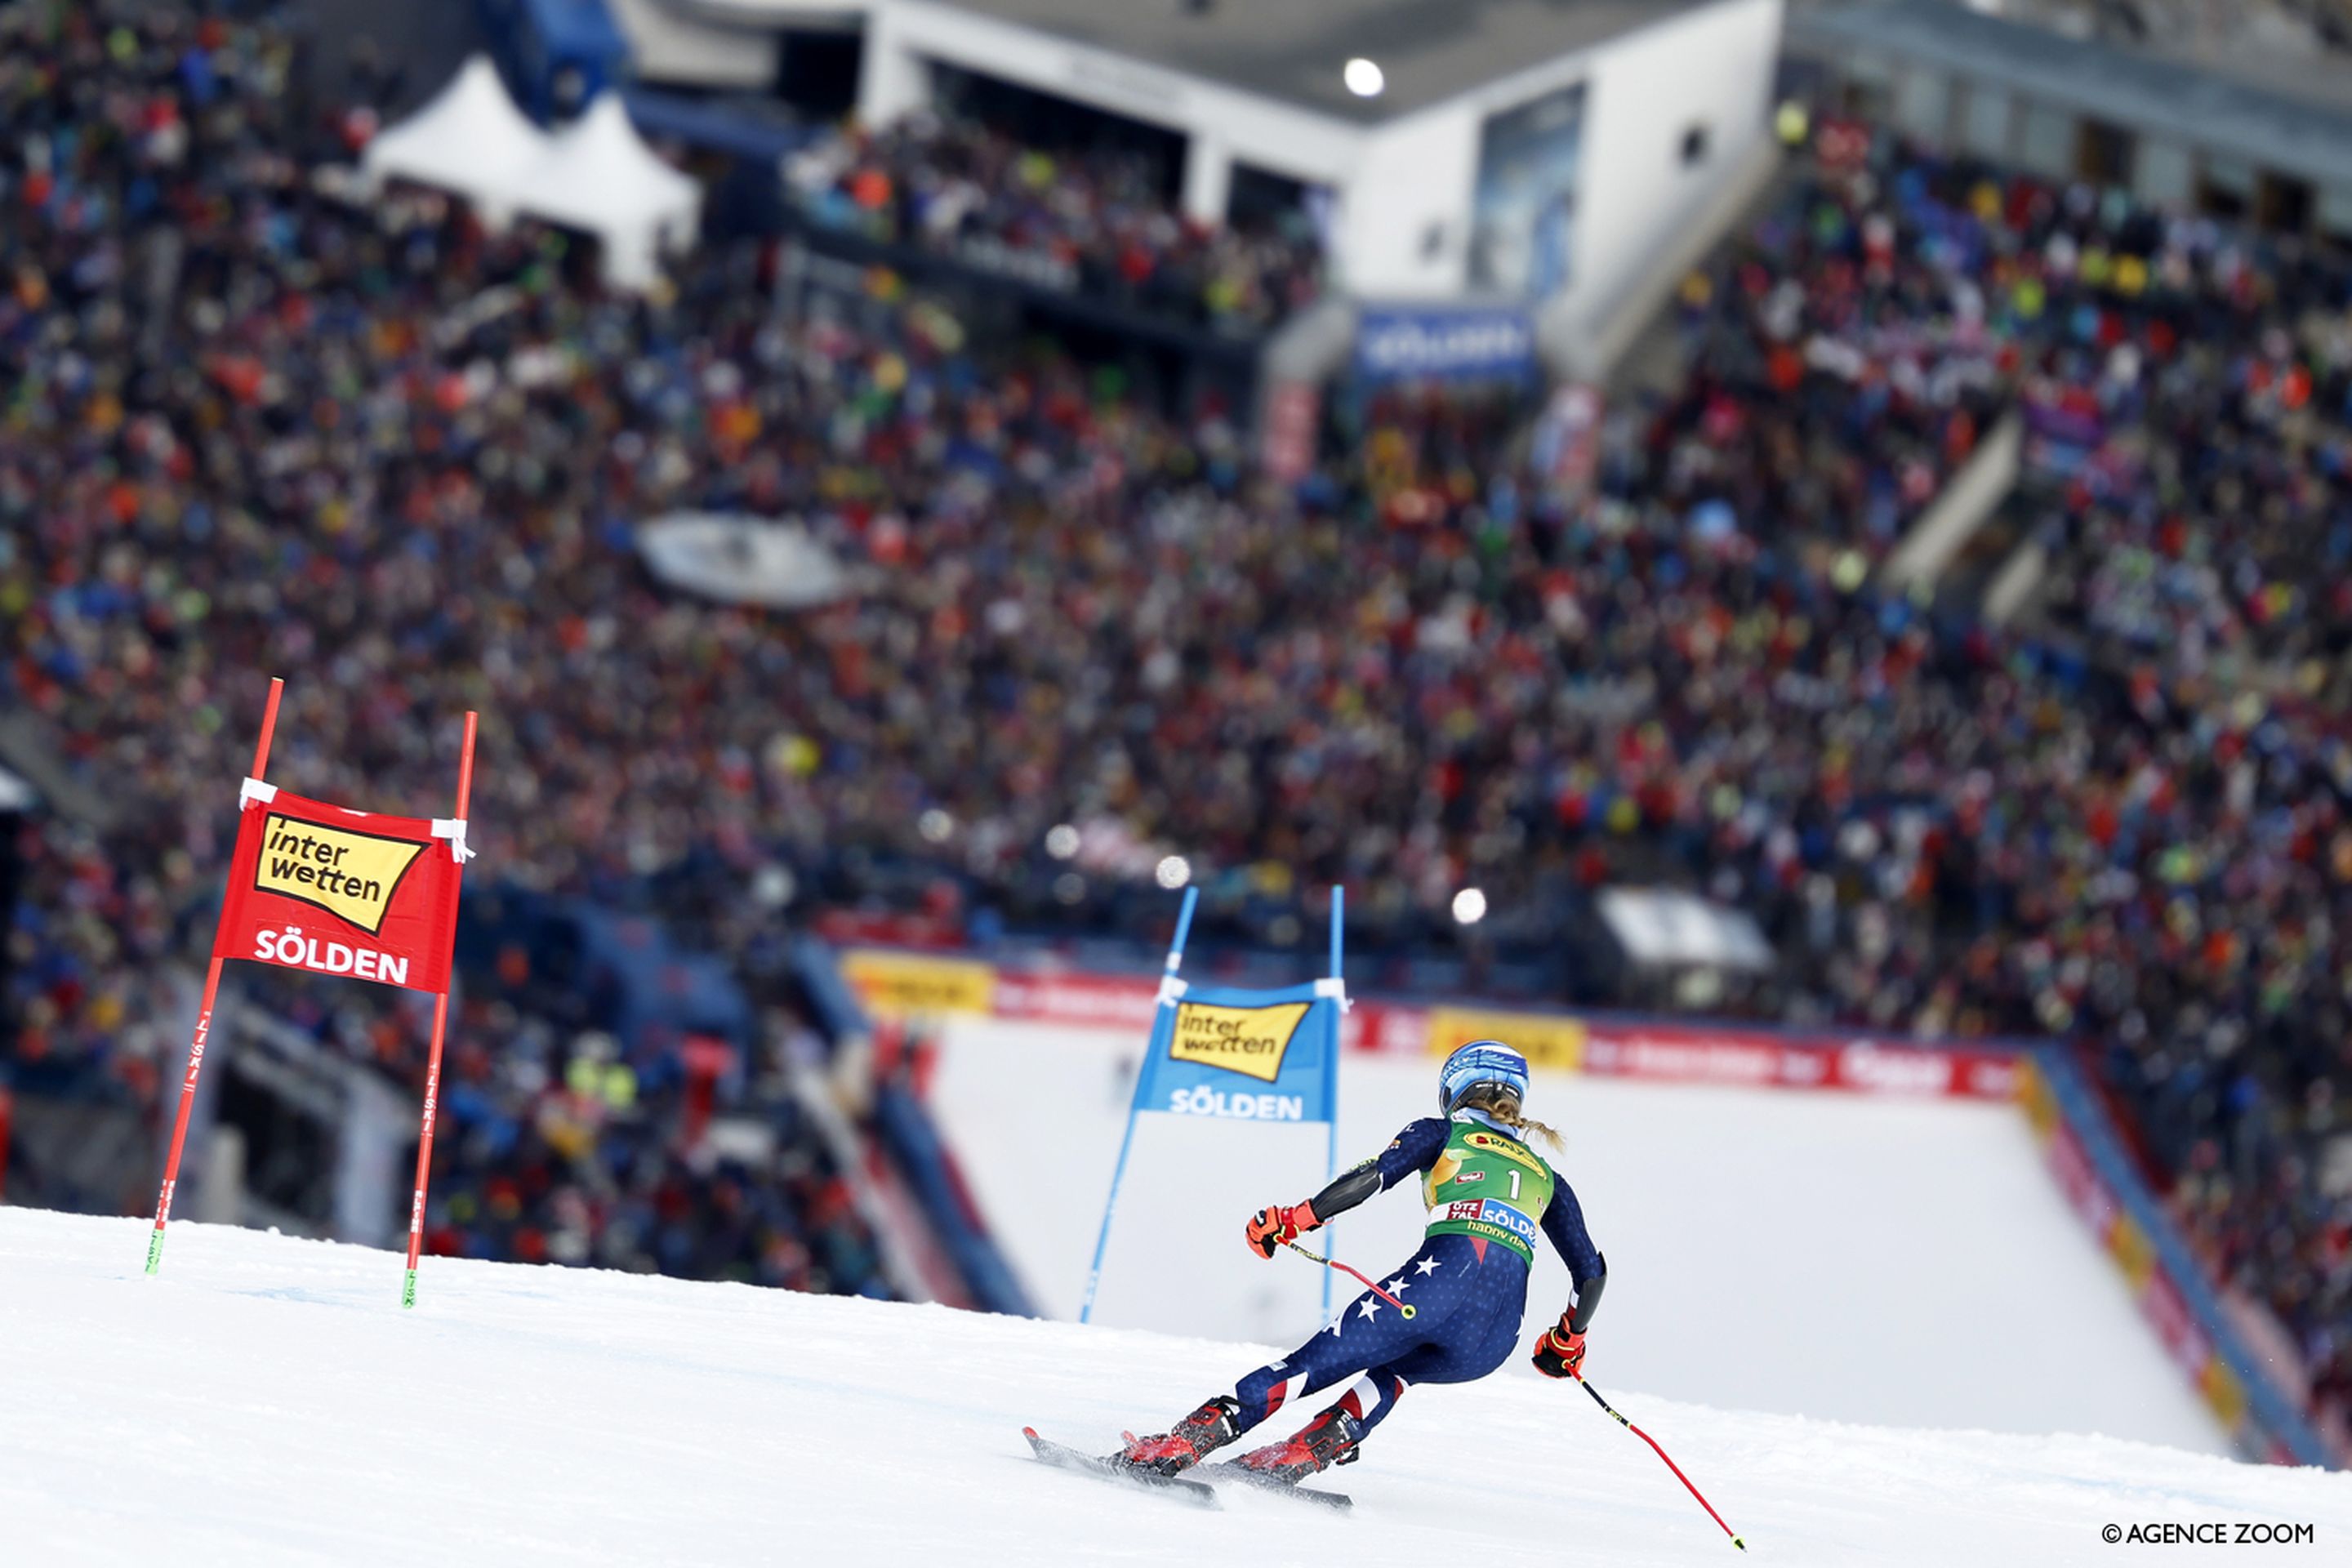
(1985, 126)
(1869, 87)
(1923, 106)
(2233, 175)
(1694, 141)
(2046, 141)
(2104, 154)
(2164, 174)
(2334, 214)
(2284, 203)
(2227, 189)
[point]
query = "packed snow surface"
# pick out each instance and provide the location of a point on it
(1904, 1262)
(266, 1400)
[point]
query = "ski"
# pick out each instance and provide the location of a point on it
(1234, 1470)
(1199, 1493)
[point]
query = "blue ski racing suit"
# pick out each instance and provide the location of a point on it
(1467, 1285)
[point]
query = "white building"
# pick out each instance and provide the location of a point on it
(1536, 154)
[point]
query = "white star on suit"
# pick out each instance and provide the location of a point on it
(1372, 1305)
(1426, 1265)
(1396, 1287)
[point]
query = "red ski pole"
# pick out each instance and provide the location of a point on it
(1652, 1442)
(1335, 1263)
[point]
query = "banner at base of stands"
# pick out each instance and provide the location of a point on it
(897, 984)
(902, 983)
(2163, 1276)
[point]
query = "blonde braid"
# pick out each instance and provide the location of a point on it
(1504, 1107)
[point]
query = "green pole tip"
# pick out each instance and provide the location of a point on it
(1740, 1543)
(408, 1290)
(154, 1251)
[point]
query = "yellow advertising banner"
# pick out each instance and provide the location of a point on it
(345, 873)
(1250, 1041)
(2223, 1392)
(917, 985)
(1546, 1040)
(2033, 1093)
(2133, 1251)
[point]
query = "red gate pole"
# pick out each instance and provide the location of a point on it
(203, 1021)
(433, 1063)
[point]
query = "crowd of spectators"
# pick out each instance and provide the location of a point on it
(1097, 222)
(2192, 445)
(1845, 357)
(398, 460)
(2131, 832)
(557, 1142)
(243, 437)
(2127, 828)
(2186, 386)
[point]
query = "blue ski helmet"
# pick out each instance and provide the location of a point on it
(1480, 1061)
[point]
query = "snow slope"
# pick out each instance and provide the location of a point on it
(1818, 1254)
(266, 1400)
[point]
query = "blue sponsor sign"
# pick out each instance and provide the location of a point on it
(1398, 343)
(1248, 1056)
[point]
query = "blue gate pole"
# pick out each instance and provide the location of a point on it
(1331, 1068)
(1339, 920)
(1127, 1143)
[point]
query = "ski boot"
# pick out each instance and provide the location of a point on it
(1196, 1436)
(1329, 1440)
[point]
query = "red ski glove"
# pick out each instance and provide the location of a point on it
(1561, 1352)
(1278, 1226)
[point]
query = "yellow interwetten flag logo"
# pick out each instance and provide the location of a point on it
(1250, 1041)
(349, 875)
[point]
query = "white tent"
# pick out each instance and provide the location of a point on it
(470, 140)
(599, 176)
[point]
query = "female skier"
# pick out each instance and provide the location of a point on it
(1487, 1194)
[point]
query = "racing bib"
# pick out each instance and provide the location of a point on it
(1486, 1183)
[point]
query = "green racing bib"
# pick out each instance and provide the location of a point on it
(1489, 1184)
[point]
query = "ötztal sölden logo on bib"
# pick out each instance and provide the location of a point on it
(352, 875)
(1250, 1041)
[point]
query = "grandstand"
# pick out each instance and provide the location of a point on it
(1938, 644)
